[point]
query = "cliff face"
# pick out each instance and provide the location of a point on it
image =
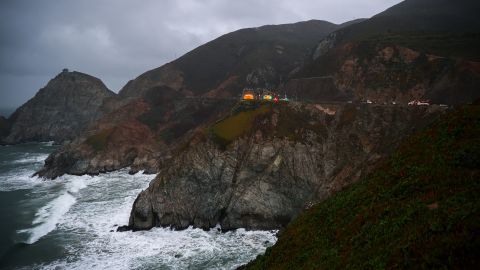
(259, 167)
(61, 110)
(140, 135)
(418, 49)
(373, 70)
(419, 209)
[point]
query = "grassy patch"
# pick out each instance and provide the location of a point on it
(238, 124)
(99, 141)
(419, 210)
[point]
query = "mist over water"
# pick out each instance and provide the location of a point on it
(70, 223)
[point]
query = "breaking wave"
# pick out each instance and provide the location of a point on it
(47, 217)
(80, 214)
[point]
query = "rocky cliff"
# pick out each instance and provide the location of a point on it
(157, 114)
(140, 135)
(418, 49)
(263, 164)
(383, 72)
(419, 209)
(61, 110)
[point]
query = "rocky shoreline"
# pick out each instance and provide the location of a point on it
(266, 177)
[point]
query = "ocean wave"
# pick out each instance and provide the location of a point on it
(19, 180)
(47, 217)
(49, 143)
(106, 203)
(81, 214)
(30, 158)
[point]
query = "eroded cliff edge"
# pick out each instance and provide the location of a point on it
(261, 165)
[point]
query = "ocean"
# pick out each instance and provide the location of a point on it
(70, 223)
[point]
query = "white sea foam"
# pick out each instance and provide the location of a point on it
(47, 217)
(49, 143)
(18, 180)
(30, 158)
(81, 214)
(106, 203)
(20, 177)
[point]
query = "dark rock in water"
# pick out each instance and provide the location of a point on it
(61, 110)
(140, 135)
(288, 157)
(143, 218)
(124, 228)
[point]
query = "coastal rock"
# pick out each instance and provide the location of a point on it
(386, 74)
(141, 135)
(288, 157)
(61, 110)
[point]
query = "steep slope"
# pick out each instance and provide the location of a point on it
(415, 50)
(66, 106)
(254, 57)
(442, 27)
(141, 135)
(419, 210)
(163, 114)
(369, 70)
(262, 164)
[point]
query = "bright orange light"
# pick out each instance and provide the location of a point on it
(248, 96)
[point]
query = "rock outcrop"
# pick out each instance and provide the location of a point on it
(419, 209)
(61, 110)
(259, 167)
(418, 49)
(141, 135)
(386, 74)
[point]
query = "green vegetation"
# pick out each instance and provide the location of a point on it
(247, 117)
(238, 124)
(99, 141)
(420, 209)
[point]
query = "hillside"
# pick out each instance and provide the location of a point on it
(140, 135)
(254, 57)
(260, 164)
(419, 210)
(61, 110)
(415, 50)
(442, 27)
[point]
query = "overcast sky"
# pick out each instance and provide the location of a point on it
(117, 40)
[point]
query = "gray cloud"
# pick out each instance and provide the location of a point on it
(117, 40)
